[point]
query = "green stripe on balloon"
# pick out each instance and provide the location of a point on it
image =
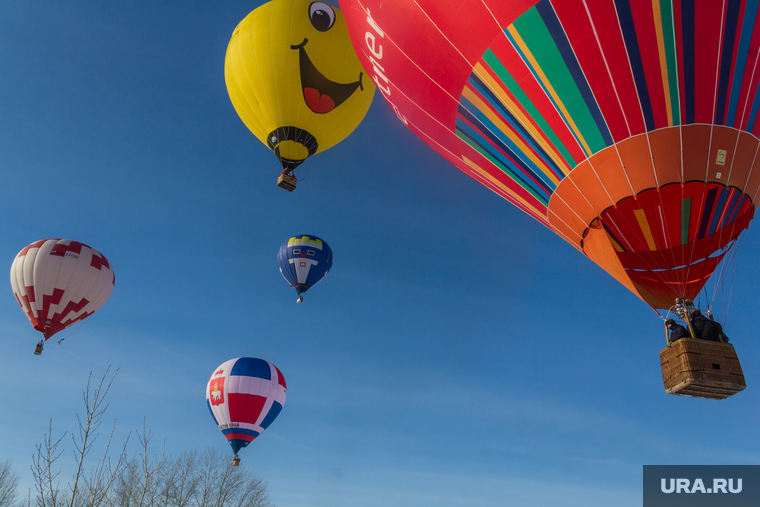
(666, 14)
(521, 98)
(536, 36)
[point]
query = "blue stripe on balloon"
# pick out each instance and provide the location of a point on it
(737, 208)
(687, 38)
(510, 167)
(627, 26)
(476, 117)
(718, 210)
(511, 163)
(750, 14)
(243, 431)
(252, 367)
(552, 23)
(526, 136)
(730, 208)
(729, 38)
(709, 206)
(271, 415)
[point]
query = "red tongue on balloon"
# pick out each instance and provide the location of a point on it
(317, 102)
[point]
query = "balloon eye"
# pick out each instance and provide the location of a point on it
(322, 16)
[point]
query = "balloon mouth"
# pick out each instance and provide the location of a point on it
(286, 142)
(301, 288)
(321, 94)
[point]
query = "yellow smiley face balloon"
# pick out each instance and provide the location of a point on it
(294, 78)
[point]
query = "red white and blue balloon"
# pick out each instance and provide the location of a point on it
(244, 396)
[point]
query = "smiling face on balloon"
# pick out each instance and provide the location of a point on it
(294, 78)
(321, 94)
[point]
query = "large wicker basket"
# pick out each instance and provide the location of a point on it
(701, 369)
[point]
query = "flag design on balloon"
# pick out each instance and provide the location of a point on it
(59, 282)
(304, 260)
(244, 396)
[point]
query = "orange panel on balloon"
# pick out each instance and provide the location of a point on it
(563, 219)
(606, 163)
(582, 212)
(666, 153)
(696, 142)
(637, 161)
(743, 162)
(584, 177)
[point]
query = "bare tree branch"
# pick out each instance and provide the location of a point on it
(8, 484)
(147, 479)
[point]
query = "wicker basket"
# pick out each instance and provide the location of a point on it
(287, 182)
(701, 369)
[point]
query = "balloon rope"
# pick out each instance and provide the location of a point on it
(733, 272)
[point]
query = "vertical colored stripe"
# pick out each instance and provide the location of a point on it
(560, 79)
(562, 43)
(718, 210)
(634, 55)
(706, 212)
(641, 218)
(685, 219)
(748, 26)
(495, 64)
(503, 120)
(510, 146)
(726, 59)
(687, 40)
(739, 206)
(502, 161)
(730, 208)
(669, 48)
(663, 59)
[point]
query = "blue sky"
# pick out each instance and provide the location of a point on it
(458, 353)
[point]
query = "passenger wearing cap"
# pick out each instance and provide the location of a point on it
(677, 331)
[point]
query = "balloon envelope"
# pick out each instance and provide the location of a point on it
(628, 128)
(244, 396)
(304, 260)
(59, 282)
(294, 78)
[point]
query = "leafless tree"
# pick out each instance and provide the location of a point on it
(8, 484)
(147, 479)
(83, 490)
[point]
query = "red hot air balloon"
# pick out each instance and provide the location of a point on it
(628, 128)
(59, 282)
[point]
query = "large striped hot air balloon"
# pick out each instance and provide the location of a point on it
(295, 81)
(627, 127)
(244, 396)
(59, 282)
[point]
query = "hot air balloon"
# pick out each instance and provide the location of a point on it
(304, 260)
(244, 396)
(59, 282)
(628, 128)
(295, 80)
